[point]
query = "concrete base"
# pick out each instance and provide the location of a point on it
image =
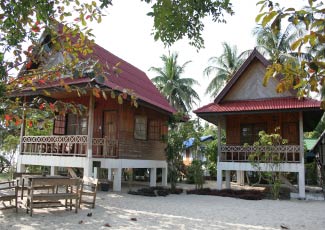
(240, 167)
(114, 166)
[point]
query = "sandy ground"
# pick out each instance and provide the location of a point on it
(173, 212)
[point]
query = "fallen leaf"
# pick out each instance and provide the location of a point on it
(81, 222)
(107, 225)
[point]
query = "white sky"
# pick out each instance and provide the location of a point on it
(126, 32)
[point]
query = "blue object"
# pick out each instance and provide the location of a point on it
(189, 142)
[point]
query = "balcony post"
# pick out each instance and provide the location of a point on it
(20, 166)
(301, 176)
(90, 125)
(219, 170)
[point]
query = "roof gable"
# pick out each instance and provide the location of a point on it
(129, 77)
(247, 83)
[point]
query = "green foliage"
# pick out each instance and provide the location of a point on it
(304, 74)
(211, 152)
(177, 90)
(222, 68)
(178, 132)
(195, 174)
(176, 19)
(311, 173)
(270, 158)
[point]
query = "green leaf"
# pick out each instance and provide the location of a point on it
(295, 45)
(258, 17)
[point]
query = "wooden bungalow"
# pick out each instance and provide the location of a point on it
(111, 135)
(244, 107)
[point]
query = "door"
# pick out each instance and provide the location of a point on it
(290, 132)
(110, 133)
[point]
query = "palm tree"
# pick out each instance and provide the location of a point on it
(277, 46)
(223, 68)
(177, 90)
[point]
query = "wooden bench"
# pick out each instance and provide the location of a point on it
(8, 192)
(19, 176)
(66, 189)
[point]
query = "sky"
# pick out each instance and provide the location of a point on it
(126, 32)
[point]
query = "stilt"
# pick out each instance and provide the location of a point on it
(117, 179)
(227, 179)
(164, 177)
(219, 179)
(52, 170)
(301, 176)
(153, 177)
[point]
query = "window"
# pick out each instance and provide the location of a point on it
(77, 125)
(140, 128)
(154, 132)
(249, 132)
(59, 125)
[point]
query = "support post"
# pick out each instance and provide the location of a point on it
(117, 179)
(301, 176)
(153, 177)
(219, 170)
(219, 178)
(109, 174)
(52, 171)
(227, 179)
(96, 172)
(164, 176)
(240, 175)
(88, 168)
(90, 126)
(20, 167)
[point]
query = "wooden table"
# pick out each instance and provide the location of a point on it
(29, 179)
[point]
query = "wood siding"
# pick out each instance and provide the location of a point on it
(272, 120)
(128, 146)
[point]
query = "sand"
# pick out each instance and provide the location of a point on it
(124, 211)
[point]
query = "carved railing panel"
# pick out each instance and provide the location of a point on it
(74, 145)
(240, 153)
(71, 145)
(104, 147)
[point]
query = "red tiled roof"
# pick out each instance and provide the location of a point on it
(131, 78)
(260, 105)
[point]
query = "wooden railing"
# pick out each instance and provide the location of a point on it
(239, 153)
(104, 147)
(69, 145)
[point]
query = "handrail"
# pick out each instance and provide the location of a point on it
(68, 145)
(240, 153)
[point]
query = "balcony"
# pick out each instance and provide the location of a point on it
(70, 145)
(239, 153)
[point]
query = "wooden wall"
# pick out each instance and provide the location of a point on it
(272, 120)
(128, 146)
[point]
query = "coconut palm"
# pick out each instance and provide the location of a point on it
(223, 68)
(277, 46)
(177, 90)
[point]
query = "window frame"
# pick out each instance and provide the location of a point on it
(60, 125)
(140, 127)
(253, 136)
(155, 130)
